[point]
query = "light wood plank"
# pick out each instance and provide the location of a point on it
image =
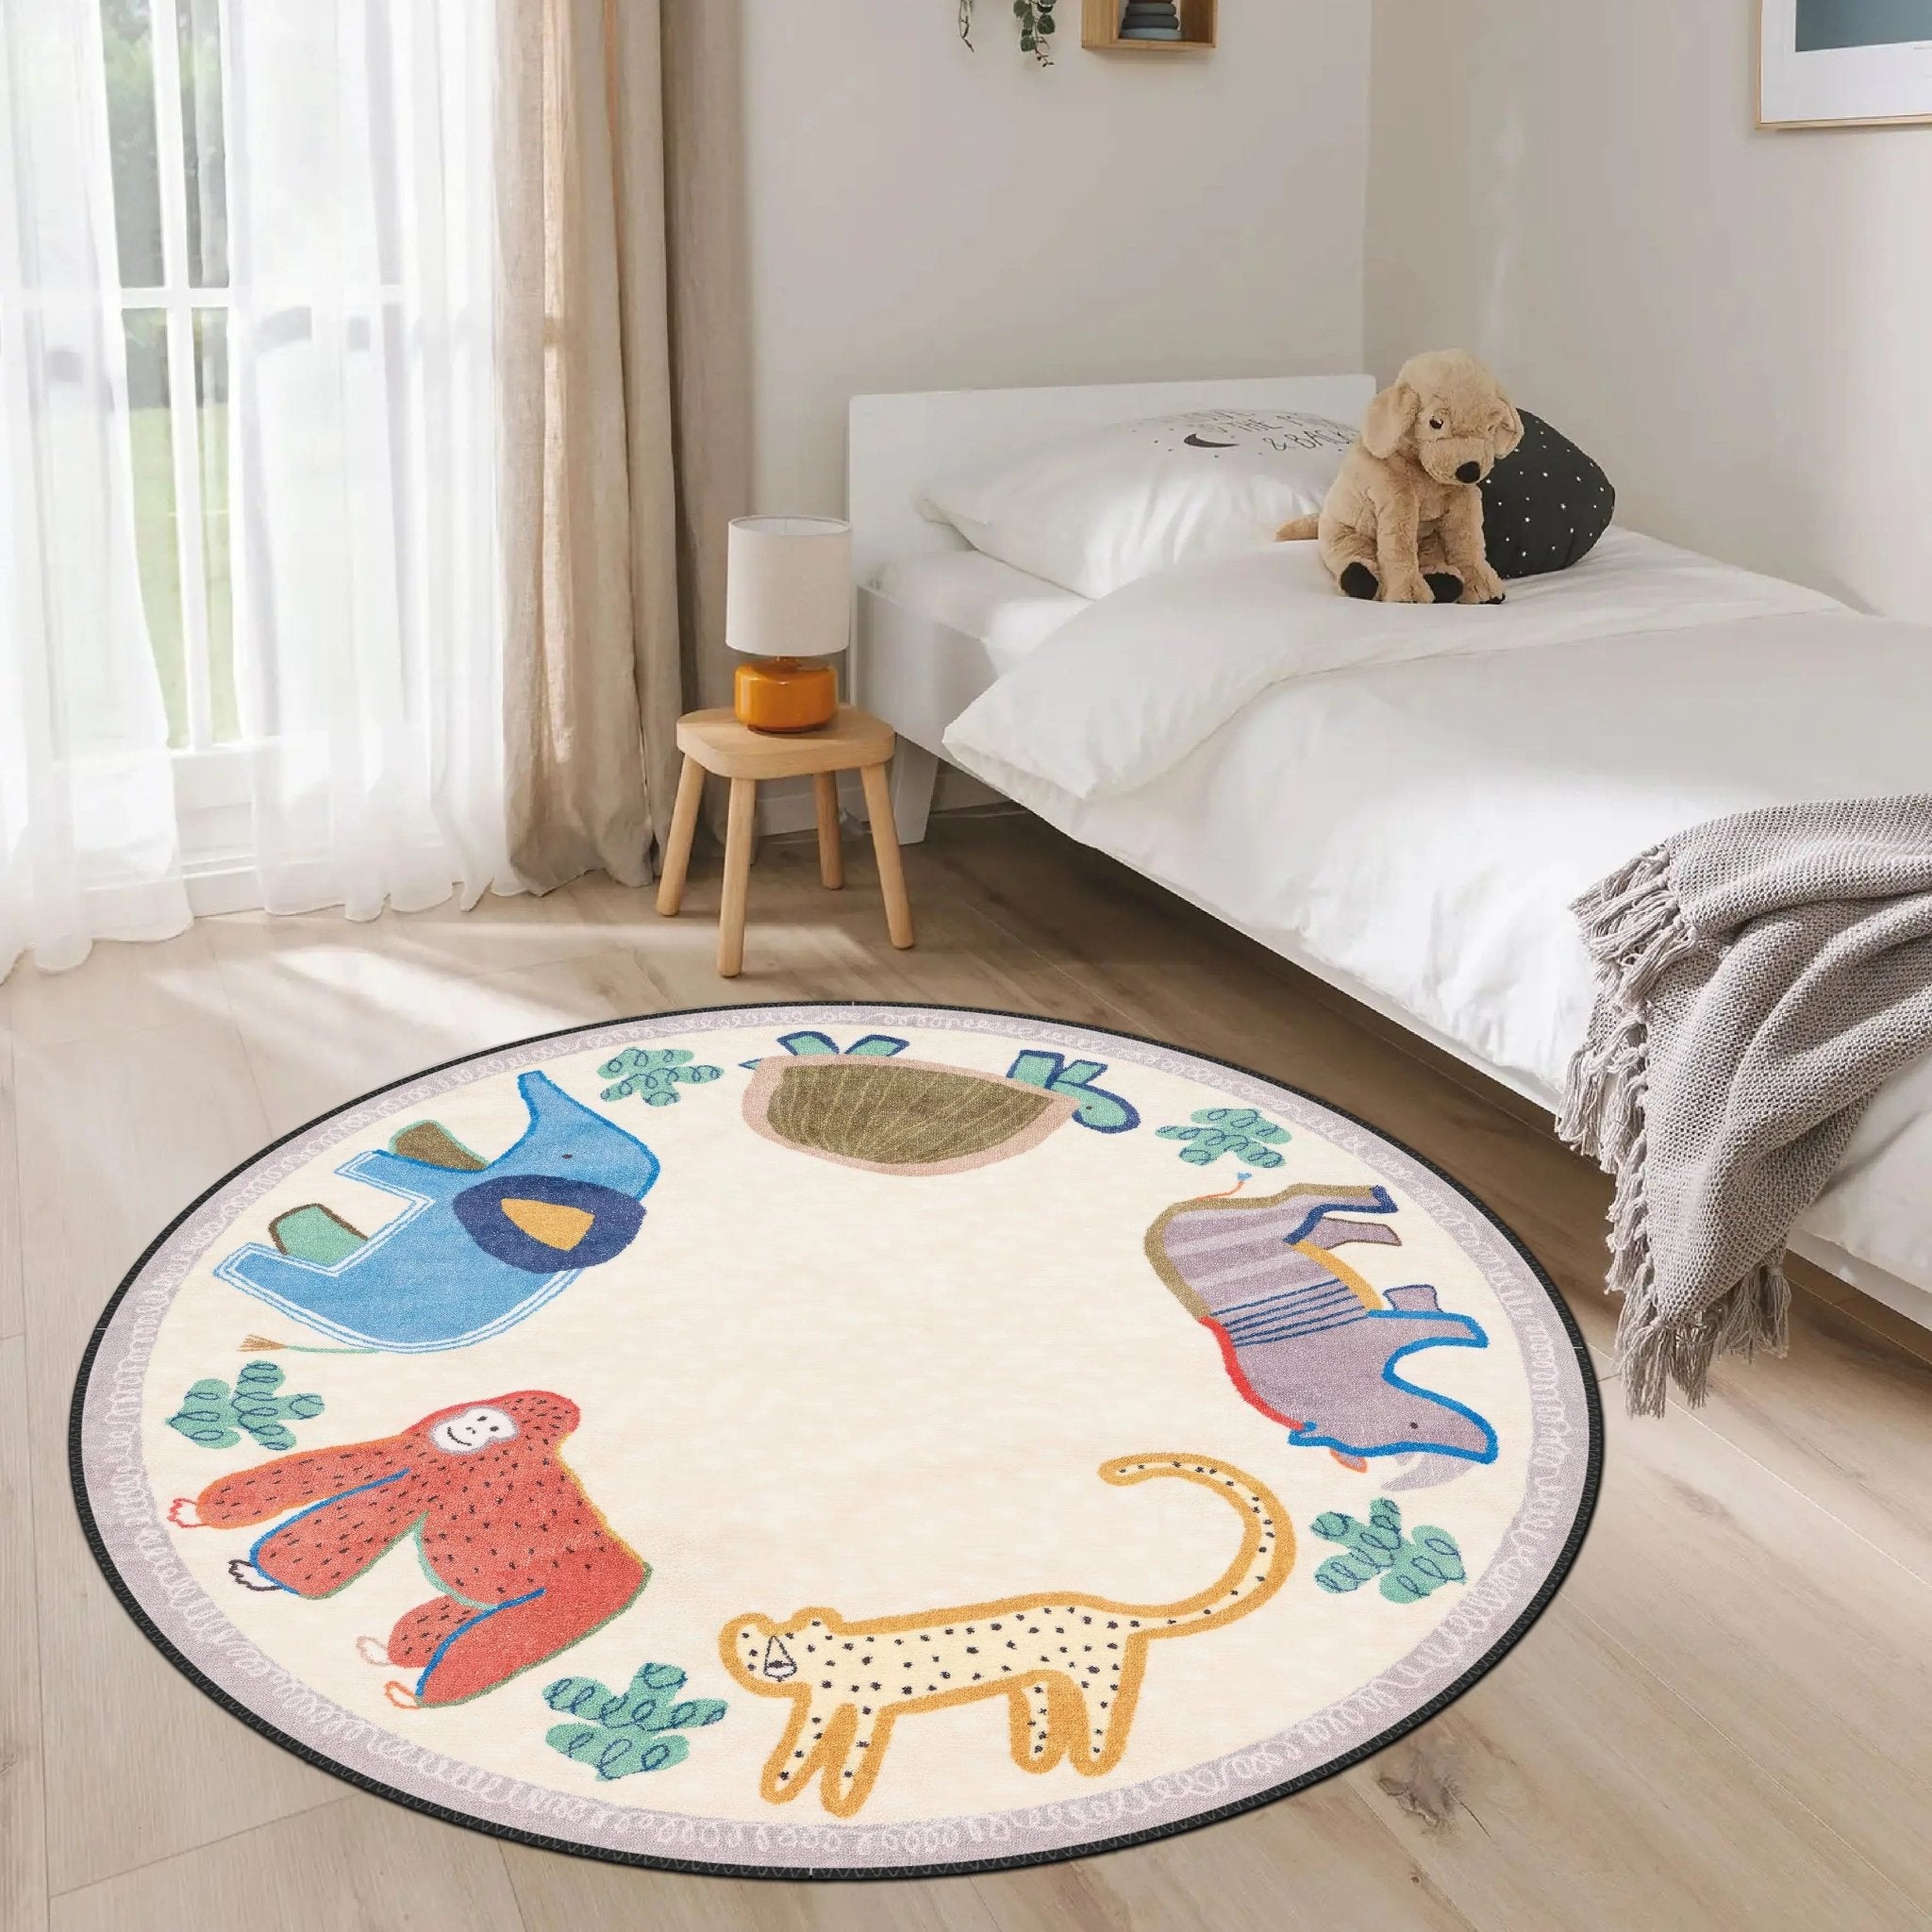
(1570, 1792)
(1788, 1631)
(1323, 1863)
(22, 1835)
(318, 1032)
(12, 1290)
(500, 934)
(560, 1895)
(357, 1863)
(1845, 1419)
(121, 989)
(813, 945)
(1898, 1330)
(118, 1132)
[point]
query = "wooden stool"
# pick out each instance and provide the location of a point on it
(716, 743)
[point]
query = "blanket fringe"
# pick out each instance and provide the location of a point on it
(1655, 1350)
(1634, 926)
(1635, 930)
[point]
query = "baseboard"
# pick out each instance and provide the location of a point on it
(214, 889)
(786, 805)
(1902, 1297)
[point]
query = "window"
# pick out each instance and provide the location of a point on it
(287, 676)
(164, 108)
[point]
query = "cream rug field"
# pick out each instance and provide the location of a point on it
(834, 1440)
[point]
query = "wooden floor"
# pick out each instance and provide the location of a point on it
(1724, 1720)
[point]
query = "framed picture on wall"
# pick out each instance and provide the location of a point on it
(1838, 63)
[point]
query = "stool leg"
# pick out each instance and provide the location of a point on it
(684, 825)
(738, 838)
(885, 842)
(825, 787)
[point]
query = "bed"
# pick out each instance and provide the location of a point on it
(1399, 802)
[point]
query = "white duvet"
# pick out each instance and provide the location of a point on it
(1407, 799)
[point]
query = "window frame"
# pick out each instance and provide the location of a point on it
(212, 778)
(176, 297)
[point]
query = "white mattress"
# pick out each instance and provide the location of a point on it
(1006, 610)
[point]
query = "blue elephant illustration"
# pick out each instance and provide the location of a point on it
(478, 1247)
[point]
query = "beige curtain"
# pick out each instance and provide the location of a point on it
(624, 447)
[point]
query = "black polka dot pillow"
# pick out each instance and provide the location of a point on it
(1545, 505)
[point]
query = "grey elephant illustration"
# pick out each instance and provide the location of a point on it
(1305, 1339)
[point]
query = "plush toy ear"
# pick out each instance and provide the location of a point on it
(1391, 418)
(1511, 432)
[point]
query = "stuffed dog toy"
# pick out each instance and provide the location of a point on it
(1404, 521)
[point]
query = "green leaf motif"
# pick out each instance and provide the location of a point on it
(1237, 1130)
(1105, 1112)
(623, 1734)
(216, 1418)
(813, 1045)
(1411, 1567)
(655, 1074)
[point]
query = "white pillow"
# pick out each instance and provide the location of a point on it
(1106, 508)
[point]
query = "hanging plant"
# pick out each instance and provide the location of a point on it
(1036, 27)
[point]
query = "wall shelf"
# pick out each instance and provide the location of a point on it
(1100, 28)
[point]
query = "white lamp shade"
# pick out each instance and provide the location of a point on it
(789, 587)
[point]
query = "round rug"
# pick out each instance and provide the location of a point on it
(834, 1440)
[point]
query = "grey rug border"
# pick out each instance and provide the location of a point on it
(1587, 1498)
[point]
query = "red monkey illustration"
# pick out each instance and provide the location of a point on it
(525, 1564)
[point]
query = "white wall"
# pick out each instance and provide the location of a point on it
(1737, 325)
(923, 217)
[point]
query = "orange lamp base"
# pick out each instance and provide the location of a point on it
(785, 694)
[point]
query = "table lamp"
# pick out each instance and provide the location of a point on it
(788, 603)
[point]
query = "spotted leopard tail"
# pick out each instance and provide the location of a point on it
(1259, 1569)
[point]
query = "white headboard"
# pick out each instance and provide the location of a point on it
(901, 445)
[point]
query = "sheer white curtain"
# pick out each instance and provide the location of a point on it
(401, 281)
(87, 845)
(367, 596)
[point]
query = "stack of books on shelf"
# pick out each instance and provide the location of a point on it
(1151, 20)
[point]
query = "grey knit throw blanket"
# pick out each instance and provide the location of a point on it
(1759, 979)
